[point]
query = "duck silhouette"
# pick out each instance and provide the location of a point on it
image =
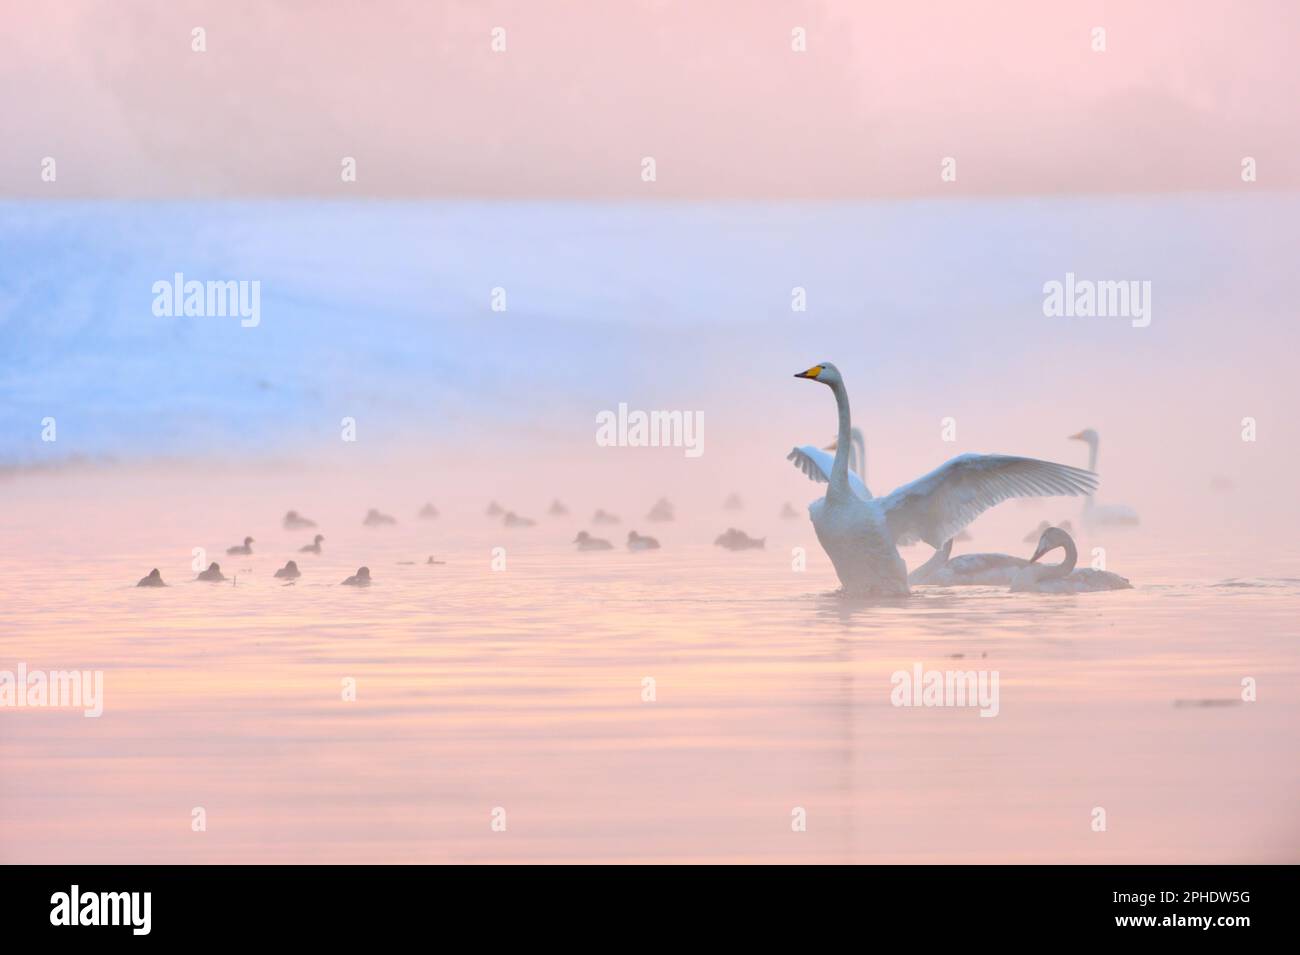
(360, 579)
(586, 542)
(428, 512)
(293, 521)
(514, 520)
(154, 579)
(289, 571)
(637, 541)
(734, 539)
(604, 517)
(376, 519)
(557, 509)
(213, 573)
(661, 512)
(313, 547)
(243, 548)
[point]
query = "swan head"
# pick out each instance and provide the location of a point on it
(1087, 435)
(1052, 538)
(826, 373)
(318, 538)
(249, 540)
(582, 536)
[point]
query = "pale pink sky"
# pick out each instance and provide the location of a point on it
(586, 88)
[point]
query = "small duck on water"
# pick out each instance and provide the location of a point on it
(586, 542)
(376, 519)
(734, 539)
(289, 571)
(637, 541)
(154, 579)
(313, 547)
(240, 549)
(213, 573)
(661, 512)
(360, 579)
(293, 521)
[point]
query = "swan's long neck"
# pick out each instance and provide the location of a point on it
(860, 446)
(843, 442)
(1063, 569)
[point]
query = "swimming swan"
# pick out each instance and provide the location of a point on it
(244, 549)
(1102, 515)
(861, 533)
(289, 571)
(1063, 578)
(154, 579)
(968, 570)
(313, 547)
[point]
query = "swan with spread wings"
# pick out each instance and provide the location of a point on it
(861, 533)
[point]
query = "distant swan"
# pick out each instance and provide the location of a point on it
(242, 549)
(154, 579)
(733, 539)
(604, 517)
(213, 573)
(637, 541)
(1063, 578)
(514, 520)
(289, 571)
(293, 521)
(861, 533)
(376, 519)
(1102, 515)
(586, 542)
(360, 579)
(313, 547)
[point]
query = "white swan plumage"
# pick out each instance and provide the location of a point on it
(968, 570)
(1063, 578)
(1102, 515)
(861, 533)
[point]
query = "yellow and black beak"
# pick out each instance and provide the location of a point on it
(1075, 437)
(812, 372)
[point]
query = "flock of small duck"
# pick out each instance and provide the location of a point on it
(293, 521)
(661, 512)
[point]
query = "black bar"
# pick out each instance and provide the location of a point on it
(330, 905)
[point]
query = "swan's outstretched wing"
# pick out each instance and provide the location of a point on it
(935, 507)
(816, 463)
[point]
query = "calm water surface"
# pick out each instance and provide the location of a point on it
(522, 689)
